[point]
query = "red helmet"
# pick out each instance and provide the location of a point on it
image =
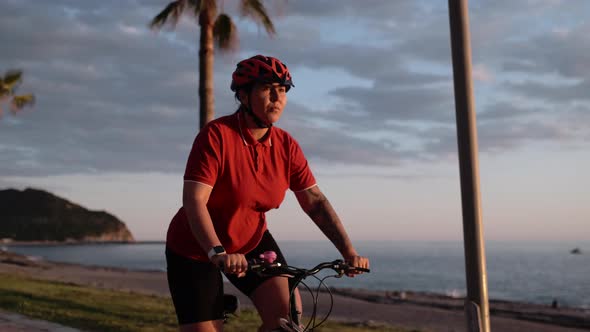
(261, 69)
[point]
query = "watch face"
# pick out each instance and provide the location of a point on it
(219, 250)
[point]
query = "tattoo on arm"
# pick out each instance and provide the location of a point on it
(325, 217)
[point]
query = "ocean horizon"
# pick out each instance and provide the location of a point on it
(522, 271)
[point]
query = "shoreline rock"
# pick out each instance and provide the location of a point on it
(34, 215)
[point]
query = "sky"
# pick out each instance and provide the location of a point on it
(372, 108)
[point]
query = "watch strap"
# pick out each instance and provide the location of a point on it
(217, 250)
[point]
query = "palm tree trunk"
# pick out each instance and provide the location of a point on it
(206, 96)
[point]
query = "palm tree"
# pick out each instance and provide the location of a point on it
(214, 27)
(8, 85)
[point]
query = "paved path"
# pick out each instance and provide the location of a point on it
(10, 322)
(402, 314)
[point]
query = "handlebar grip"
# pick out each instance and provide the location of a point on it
(258, 266)
(362, 269)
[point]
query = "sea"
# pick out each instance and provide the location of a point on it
(533, 272)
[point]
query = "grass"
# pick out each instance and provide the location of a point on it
(94, 309)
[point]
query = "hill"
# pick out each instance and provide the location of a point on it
(37, 215)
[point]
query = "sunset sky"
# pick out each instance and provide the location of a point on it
(372, 108)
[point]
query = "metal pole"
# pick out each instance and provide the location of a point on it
(476, 303)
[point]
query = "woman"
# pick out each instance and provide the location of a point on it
(239, 168)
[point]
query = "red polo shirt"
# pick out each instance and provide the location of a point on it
(248, 178)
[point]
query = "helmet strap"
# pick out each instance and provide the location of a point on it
(257, 120)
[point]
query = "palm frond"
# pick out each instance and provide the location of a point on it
(225, 33)
(4, 92)
(19, 102)
(256, 10)
(170, 14)
(195, 3)
(10, 81)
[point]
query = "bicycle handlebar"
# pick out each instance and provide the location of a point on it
(339, 266)
(265, 265)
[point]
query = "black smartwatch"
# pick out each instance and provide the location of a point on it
(217, 250)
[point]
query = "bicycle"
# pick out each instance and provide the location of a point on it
(267, 267)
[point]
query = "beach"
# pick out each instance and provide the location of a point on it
(412, 310)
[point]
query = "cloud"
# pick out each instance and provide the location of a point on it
(558, 95)
(113, 96)
(482, 73)
(382, 104)
(504, 110)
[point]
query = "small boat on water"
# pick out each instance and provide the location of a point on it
(576, 251)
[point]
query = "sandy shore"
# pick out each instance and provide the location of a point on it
(428, 312)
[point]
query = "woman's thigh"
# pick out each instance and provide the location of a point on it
(251, 281)
(197, 292)
(270, 295)
(271, 299)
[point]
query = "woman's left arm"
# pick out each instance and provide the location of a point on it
(318, 208)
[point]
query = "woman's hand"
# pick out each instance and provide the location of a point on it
(231, 263)
(357, 261)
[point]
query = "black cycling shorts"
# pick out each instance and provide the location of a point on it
(197, 287)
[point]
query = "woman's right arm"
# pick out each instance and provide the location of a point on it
(195, 196)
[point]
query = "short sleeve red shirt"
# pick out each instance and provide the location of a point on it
(248, 178)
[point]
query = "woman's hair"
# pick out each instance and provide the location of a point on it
(245, 88)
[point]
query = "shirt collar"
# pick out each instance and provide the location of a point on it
(246, 135)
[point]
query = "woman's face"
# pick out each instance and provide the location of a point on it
(268, 101)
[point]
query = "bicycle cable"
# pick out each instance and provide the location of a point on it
(311, 324)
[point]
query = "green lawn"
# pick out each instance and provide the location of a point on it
(93, 309)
